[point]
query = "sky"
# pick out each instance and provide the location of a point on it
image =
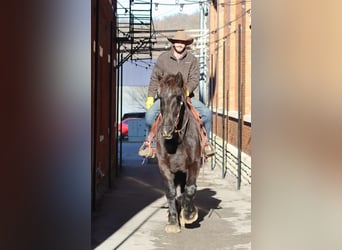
(167, 7)
(137, 74)
(172, 8)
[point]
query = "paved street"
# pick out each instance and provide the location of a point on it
(132, 215)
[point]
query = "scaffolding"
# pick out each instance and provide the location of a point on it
(134, 31)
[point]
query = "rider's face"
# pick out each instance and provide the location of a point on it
(179, 47)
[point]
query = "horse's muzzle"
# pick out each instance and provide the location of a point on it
(167, 132)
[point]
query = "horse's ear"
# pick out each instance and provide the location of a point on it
(179, 79)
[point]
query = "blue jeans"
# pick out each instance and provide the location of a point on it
(204, 112)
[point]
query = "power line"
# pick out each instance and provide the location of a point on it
(189, 2)
(137, 62)
(229, 23)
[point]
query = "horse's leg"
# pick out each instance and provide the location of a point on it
(180, 179)
(189, 212)
(173, 224)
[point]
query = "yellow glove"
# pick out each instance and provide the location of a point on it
(149, 102)
(187, 92)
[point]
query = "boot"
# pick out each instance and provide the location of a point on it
(146, 150)
(209, 150)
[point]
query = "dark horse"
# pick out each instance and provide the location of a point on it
(178, 151)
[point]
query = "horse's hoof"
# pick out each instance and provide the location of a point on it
(192, 217)
(169, 228)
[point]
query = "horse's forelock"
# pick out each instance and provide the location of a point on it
(172, 84)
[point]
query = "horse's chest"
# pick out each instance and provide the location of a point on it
(177, 162)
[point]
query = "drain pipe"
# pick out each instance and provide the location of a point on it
(223, 110)
(211, 91)
(117, 66)
(110, 106)
(239, 111)
(121, 92)
(94, 174)
(217, 45)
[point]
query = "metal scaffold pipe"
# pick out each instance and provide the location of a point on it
(203, 95)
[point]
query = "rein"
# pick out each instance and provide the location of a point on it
(184, 123)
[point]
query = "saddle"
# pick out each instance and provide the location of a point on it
(148, 142)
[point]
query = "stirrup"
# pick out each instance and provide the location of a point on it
(146, 150)
(209, 150)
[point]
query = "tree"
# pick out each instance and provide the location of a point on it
(136, 96)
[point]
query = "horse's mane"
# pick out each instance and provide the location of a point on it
(171, 81)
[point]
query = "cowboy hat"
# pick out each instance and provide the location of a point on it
(181, 36)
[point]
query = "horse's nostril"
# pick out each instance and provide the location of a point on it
(167, 132)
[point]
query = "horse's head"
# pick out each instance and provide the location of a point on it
(172, 102)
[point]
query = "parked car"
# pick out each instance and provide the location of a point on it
(123, 126)
(134, 115)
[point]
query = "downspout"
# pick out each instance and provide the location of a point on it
(95, 80)
(117, 107)
(121, 92)
(110, 107)
(217, 45)
(211, 98)
(223, 110)
(239, 110)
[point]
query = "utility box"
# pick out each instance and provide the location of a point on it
(137, 130)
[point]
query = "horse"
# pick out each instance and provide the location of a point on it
(178, 150)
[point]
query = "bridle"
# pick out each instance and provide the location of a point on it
(182, 129)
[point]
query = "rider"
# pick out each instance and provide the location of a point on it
(177, 59)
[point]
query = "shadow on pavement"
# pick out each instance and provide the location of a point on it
(205, 202)
(137, 187)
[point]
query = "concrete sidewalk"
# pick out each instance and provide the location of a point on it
(133, 214)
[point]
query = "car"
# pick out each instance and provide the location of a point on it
(123, 127)
(133, 115)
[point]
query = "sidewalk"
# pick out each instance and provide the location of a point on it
(133, 214)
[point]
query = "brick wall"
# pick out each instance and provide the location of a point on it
(229, 66)
(103, 99)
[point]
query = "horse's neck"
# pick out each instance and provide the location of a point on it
(184, 116)
(192, 110)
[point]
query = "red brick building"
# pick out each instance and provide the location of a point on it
(229, 67)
